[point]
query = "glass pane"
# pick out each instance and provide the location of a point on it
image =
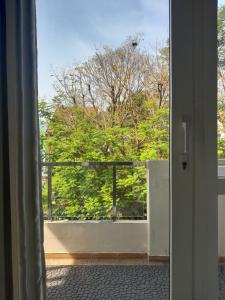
(221, 144)
(103, 70)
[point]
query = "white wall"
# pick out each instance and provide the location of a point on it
(105, 237)
(221, 226)
(158, 212)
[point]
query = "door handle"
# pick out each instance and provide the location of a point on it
(184, 155)
(184, 126)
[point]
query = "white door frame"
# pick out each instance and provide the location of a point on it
(194, 214)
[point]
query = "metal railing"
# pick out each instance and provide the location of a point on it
(114, 167)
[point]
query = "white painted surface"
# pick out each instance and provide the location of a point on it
(221, 171)
(158, 239)
(73, 237)
(158, 233)
(221, 225)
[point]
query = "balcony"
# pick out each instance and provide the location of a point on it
(104, 248)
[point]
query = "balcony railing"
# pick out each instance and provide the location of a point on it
(94, 190)
(147, 236)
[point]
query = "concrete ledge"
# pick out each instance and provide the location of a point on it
(93, 255)
(159, 259)
(166, 259)
(57, 259)
(221, 259)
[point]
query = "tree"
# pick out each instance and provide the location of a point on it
(109, 81)
(84, 193)
(111, 108)
(221, 82)
(157, 80)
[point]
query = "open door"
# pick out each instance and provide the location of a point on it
(193, 177)
(104, 91)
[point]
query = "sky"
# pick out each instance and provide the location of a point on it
(68, 31)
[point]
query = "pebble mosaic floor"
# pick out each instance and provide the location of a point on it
(113, 282)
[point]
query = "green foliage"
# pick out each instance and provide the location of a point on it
(86, 192)
(221, 82)
(132, 127)
(221, 32)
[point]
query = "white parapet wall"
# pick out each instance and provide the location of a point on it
(221, 227)
(158, 208)
(95, 237)
(158, 233)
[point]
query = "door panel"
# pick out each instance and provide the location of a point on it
(193, 150)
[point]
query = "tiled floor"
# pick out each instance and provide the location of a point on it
(113, 282)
